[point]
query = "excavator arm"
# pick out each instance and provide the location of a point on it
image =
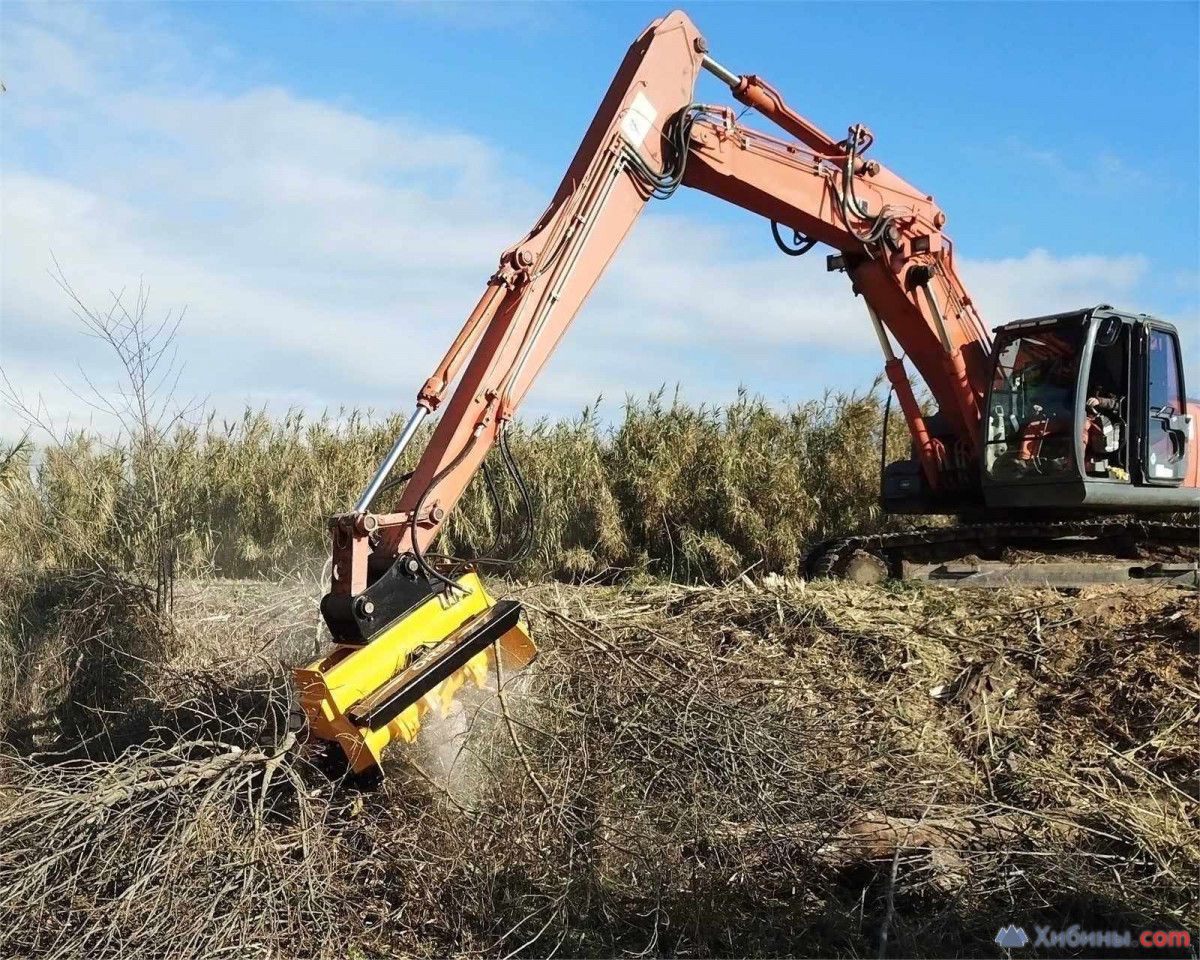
(408, 633)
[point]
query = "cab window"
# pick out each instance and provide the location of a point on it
(1031, 418)
(1165, 441)
(1105, 430)
(1166, 397)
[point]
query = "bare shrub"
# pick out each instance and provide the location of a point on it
(110, 500)
(783, 769)
(82, 648)
(199, 841)
(827, 771)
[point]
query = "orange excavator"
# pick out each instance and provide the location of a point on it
(1067, 427)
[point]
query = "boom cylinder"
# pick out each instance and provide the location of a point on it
(926, 451)
(956, 369)
(757, 93)
(884, 343)
(898, 377)
(385, 468)
(721, 73)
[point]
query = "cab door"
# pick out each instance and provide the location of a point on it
(1166, 426)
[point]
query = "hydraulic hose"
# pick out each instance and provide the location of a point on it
(803, 243)
(425, 566)
(526, 499)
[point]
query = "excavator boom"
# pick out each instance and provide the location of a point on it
(408, 630)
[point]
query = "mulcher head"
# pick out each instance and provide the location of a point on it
(363, 696)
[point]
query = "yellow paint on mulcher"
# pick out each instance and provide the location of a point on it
(330, 687)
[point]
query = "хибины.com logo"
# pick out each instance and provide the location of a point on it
(1013, 937)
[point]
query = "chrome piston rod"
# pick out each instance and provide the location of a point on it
(385, 468)
(720, 72)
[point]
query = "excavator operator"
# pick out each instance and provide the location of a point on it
(1045, 440)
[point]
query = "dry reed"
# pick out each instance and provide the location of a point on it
(671, 490)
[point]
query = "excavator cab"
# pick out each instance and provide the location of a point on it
(1086, 411)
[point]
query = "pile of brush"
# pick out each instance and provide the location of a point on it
(765, 769)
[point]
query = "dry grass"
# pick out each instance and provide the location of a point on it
(768, 769)
(671, 490)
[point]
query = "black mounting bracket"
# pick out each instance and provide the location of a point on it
(396, 593)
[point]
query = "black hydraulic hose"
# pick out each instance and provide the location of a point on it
(661, 185)
(412, 525)
(887, 416)
(848, 200)
(527, 501)
(498, 506)
(392, 485)
(803, 243)
(485, 558)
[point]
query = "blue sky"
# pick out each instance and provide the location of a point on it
(327, 186)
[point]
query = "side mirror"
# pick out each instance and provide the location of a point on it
(1108, 332)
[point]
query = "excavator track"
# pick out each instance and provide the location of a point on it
(1002, 554)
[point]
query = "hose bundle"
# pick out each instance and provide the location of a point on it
(678, 133)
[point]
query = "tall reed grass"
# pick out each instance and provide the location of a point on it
(670, 490)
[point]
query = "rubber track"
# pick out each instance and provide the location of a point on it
(825, 558)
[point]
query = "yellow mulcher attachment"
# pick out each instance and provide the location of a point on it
(364, 696)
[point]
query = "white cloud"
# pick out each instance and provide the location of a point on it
(1040, 283)
(681, 279)
(1098, 174)
(327, 257)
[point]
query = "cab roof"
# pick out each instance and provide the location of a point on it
(1084, 313)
